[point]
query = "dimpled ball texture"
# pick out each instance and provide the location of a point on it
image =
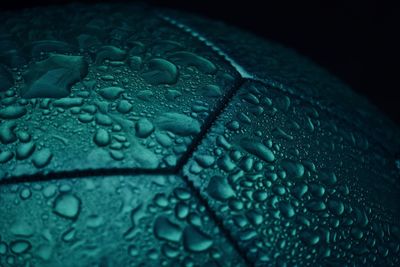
(136, 136)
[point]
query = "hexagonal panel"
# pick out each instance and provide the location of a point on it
(107, 87)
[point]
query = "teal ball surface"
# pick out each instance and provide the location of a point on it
(137, 136)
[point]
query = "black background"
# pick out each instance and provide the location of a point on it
(354, 40)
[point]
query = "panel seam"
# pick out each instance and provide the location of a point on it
(197, 140)
(207, 124)
(244, 77)
(244, 74)
(232, 240)
(85, 173)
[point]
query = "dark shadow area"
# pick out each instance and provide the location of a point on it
(356, 41)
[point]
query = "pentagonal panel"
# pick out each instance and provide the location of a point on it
(109, 221)
(296, 186)
(107, 86)
(257, 58)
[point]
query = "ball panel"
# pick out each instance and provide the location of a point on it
(106, 87)
(295, 185)
(112, 86)
(268, 61)
(144, 220)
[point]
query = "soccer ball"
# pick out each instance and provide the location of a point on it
(135, 136)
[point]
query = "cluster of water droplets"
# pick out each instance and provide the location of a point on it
(294, 187)
(127, 97)
(144, 220)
